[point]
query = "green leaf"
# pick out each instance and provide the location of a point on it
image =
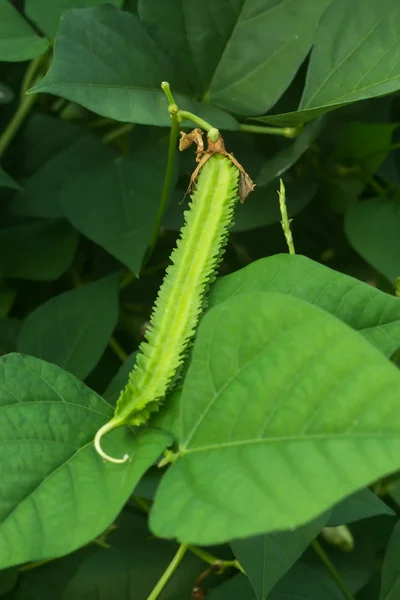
(43, 191)
(18, 41)
(373, 313)
(132, 566)
(72, 330)
(120, 380)
(38, 251)
(361, 505)
(286, 158)
(116, 205)
(266, 558)
(88, 69)
(47, 16)
(67, 494)
(275, 381)
(390, 586)
(355, 56)
(239, 56)
(367, 224)
(6, 181)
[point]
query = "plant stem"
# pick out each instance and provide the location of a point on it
(29, 76)
(213, 560)
(184, 114)
(288, 132)
(169, 571)
(118, 349)
(169, 171)
(117, 132)
(24, 106)
(334, 573)
(285, 220)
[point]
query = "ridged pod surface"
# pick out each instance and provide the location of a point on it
(181, 297)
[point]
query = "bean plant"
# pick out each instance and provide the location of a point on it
(199, 299)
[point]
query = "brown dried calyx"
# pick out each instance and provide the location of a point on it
(246, 184)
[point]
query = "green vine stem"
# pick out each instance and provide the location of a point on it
(169, 171)
(214, 561)
(169, 571)
(24, 106)
(288, 132)
(213, 133)
(332, 570)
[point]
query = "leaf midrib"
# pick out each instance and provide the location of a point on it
(183, 451)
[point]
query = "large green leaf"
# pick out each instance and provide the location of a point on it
(57, 494)
(42, 192)
(368, 310)
(47, 15)
(279, 397)
(355, 56)
(239, 55)
(38, 251)
(116, 205)
(18, 41)
(72, 330)
(88, 69)
(390, 586)
(372, 227)
(266, 558)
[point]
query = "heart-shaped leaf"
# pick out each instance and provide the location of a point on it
(284, 411)
(88, 70)
(241, 55)
(266, 558)
(366, 309)
(72, 330)
(116, 205)
(56, 492)
(355, 56)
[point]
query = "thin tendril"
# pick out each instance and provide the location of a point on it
(97, 443)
